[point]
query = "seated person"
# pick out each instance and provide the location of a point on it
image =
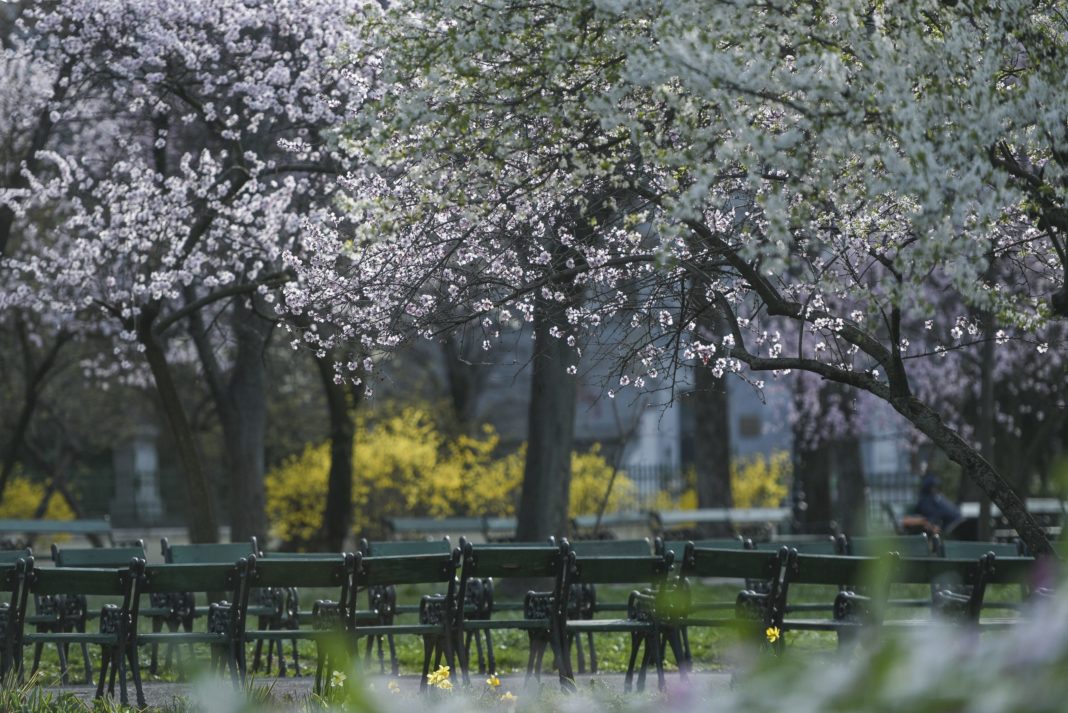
(933, 507)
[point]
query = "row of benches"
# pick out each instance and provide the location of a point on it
(655, 615)
(501, 528)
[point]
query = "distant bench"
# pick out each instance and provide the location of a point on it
(674, 519)
(504, 527)
(96, 530)
(488, 527)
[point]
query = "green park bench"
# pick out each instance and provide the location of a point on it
(16, 568)
(114, 633)
(70, 612)
(583, 602)
(384, 599)
(481, 565)
(225, 619)
(651, 573)
(282, 572)
(97, 531)
(665, 522)
(178, 609)
(437, 615)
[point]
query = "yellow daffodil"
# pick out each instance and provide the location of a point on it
(773, 634)
(440, 678)
(393, 687)
(509, 697)
(445, 685)
(337, 679)
(493, 681)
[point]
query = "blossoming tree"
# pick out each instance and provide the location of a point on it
(218, 148)
(805, 169)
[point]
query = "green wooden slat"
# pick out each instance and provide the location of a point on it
(207, 577)
(444, 524)
(905, 545)
(97, 556)
(515, 561)
(80, 580)
(677, 547)
(611, 548)
(619, 570)
(73, 527)
(733, 564)
(1013, 570)
(12, 556)
(284, 572)
(957, 549)
(412, 569)
(390, 548)
(299, 555)
(219, 552)
(832, 569)
(806, 547)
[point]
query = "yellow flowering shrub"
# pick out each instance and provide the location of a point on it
(760, 481)
(404, 465)
(22, 496)
(757, 481)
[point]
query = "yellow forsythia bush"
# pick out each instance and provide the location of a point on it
(756, 481)
(403, 465)
(22, 496)
(760, 481)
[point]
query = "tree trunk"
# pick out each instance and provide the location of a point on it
(852, 498)
(340, 402)
(245, 430)
(712, 447)
(980, 470)
(464, 379)
(35, 378)
(813, 473)
(203, 523)
(543, 502)
(987, 414)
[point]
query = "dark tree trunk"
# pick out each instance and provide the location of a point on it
(712, 446)
(852, 498)
(240, 400)
(543, 502)
(36, 375)
(245, 428)
(972, 463)
(340, 402)
(464, 379)
(202, 520)
(987, 415)
(813, 472)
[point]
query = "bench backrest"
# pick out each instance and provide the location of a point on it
(678, 547)
(216, 552)
(648, 569)
(200, 577)
(12, 556)
(96, 556)
(405, 569)
(511, 561)
(730, 563)
(113, 582)
(41, 527)
(394, 548)
(282, 571)
(826, 546)
(611, 548)
(959, 549)
(904, 545)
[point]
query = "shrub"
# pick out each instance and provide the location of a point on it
(756, 481)
(22, 497)
(404, 465)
